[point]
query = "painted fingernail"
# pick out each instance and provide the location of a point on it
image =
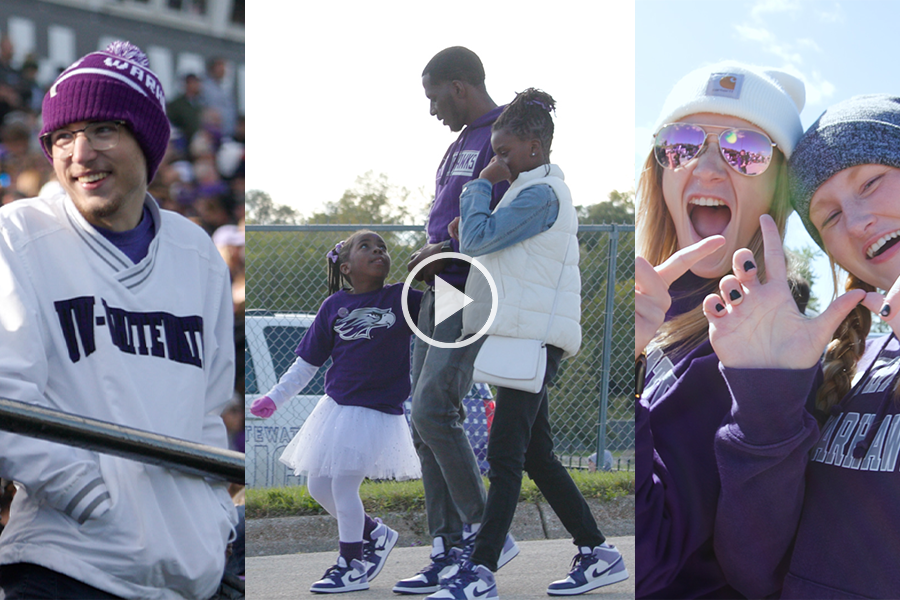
(749, 266)
(885, 310)
(719, 308)
(734, 295)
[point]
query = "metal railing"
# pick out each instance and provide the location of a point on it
(119, 440)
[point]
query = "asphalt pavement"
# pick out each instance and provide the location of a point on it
(540, 562)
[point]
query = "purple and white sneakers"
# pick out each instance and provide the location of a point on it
(375, 552)
(342, 578)
(470, 582)
(591, 568)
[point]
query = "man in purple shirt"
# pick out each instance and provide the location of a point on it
(454, 491)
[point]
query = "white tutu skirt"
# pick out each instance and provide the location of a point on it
(341, 440)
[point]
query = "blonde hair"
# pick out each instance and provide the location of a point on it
(846, 348)
(657, 241)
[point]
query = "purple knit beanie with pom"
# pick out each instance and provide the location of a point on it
(115, 84)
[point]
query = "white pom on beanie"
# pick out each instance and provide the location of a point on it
(768, 98)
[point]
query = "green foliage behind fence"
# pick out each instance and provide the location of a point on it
(286, 272)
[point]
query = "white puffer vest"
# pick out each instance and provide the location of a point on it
(526, 275)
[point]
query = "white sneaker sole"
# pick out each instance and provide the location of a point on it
(608, 579)
(416, 591)
(347, 588)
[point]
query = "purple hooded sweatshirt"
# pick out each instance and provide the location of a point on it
(830, 493)
(463, 162)
(684, 404)
(677, 484)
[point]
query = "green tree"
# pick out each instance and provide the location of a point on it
(619, 209)
(286, 269)
(800, 271)
(262, 210)
(372, 200)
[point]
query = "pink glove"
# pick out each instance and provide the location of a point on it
(263, 407)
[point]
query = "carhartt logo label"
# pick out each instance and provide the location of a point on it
(726, 85)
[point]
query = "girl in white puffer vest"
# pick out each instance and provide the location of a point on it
(528, 244)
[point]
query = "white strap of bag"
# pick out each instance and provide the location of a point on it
(556, 296)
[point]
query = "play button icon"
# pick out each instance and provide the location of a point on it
(448, 300)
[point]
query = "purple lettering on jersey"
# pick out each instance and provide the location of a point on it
(77, 315)
(157, 334)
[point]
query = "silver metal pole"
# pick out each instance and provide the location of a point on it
(607, 342)
(118, 440)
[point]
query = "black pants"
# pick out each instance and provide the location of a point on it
(25, 581)
(521, 440)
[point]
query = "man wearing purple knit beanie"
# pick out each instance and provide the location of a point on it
(113, 309)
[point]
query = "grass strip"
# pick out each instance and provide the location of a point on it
(408, 496)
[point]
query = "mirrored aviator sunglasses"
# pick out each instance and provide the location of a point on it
(747, 151)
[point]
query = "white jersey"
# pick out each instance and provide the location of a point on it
(149, 345)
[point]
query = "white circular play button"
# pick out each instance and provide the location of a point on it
(448, 300)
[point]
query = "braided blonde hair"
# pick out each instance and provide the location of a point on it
(845, 349)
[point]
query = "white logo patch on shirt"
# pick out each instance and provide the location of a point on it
(465, 163)
(660, 375)
(360, 322)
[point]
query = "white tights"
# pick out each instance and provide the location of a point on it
(340, 497)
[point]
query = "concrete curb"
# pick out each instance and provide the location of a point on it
(533, 521)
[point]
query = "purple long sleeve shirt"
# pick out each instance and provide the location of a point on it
(684, 404)
(463, 162)
(829, 494)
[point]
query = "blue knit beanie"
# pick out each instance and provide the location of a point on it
(860, 131)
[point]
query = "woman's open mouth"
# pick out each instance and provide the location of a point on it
(709, 216)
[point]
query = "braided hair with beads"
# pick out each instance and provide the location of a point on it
(335, 257)
(528, 117)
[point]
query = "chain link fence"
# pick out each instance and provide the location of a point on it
(591, 406)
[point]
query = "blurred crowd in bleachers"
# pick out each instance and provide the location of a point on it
(201, 177)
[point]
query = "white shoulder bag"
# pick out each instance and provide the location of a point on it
(516, 363)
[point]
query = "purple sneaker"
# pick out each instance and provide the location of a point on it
(428, 580)
(471, 582)
(591, 568)
(375, 552)
(342, 578)
(510, 548)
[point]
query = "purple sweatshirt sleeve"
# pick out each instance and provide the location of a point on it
(762, 450)
(655, 510)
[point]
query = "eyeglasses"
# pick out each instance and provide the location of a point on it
(100, 136)
(747, 151)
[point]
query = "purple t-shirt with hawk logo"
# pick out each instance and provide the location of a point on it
(368, 340)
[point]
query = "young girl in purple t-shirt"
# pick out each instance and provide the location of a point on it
(358, 429)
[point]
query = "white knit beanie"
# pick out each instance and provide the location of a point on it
(768, 98)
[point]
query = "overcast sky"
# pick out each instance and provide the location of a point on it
(334, 90)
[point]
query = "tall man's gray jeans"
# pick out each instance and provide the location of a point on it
(441, 378)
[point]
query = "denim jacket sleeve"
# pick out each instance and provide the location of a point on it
(481, 231)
